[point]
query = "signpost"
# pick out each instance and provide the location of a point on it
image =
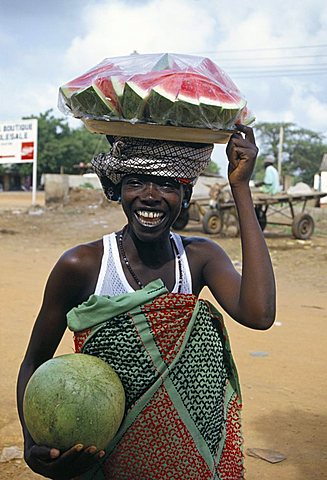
(18, 144)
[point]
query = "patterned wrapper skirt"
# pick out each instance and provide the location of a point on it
(183, 401)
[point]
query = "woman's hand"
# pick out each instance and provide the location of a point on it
(242, 153)
(50, 463)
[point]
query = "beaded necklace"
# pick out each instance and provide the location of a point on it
(131, 271)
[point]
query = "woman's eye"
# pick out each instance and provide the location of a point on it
(133, 182)
(169, 185)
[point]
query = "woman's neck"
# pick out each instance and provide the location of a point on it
(153, 253)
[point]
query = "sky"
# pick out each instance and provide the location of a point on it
(275, 52)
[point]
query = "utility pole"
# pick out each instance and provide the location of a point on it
(280, 149)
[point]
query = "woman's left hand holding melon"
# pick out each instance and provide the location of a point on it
(51, 463)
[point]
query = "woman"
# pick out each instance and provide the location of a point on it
(170, 350)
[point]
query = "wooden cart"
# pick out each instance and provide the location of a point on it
(291, 207)
(220, 216)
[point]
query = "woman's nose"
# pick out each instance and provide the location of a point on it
(150, 190)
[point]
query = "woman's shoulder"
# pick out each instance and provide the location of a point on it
(82, 256)
(199, 243)
(203, 249)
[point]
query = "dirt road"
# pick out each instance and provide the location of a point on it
(282, 371)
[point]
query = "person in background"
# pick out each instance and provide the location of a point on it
(271, 181)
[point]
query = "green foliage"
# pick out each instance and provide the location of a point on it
(87, 185)
(212, 168)
(303, 150)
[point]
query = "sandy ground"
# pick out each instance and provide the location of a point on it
(282, 370)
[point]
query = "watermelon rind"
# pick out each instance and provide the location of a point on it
(161, 107)
(133, 102)
(118, 84)
(136, 93)
(221, 115)
(72, 399)
(91, 101)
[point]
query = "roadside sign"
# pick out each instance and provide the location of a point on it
(18, 144)
(18, 141)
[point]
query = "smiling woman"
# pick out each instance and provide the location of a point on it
(151, 201)
(132, 299)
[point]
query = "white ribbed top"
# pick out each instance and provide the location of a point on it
(112, 280)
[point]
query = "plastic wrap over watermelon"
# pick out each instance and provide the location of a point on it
(161, 89)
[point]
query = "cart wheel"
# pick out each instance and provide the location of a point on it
(212, 221)
(261, 216)
(182, 220)
(303, 226)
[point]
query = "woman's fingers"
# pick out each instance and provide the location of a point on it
(44, 453)
(248, 132)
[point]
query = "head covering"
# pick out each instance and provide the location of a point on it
(182, 161)
(269, 159)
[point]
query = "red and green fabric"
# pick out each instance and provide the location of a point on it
(183, 400)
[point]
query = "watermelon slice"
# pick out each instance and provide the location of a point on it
(245, 117)
(102, 97)
(208, 68)
(92, 101)
(84, 81)
(189, 99)
(136, 93)
(112, 88)
(161, 103)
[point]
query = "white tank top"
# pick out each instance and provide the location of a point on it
(112, 280)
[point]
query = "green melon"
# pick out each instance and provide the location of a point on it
(71, 399)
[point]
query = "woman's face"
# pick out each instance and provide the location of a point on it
(151, 204)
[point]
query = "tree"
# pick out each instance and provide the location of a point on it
(302, 148)
(212, 168)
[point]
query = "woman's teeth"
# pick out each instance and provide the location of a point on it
(148, 218)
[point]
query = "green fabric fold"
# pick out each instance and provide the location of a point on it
(98, 309)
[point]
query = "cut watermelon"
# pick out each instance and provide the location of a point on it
(219, 107)
(91, 101)
(245, 117)
(112, 88)
(165, 89)
(189, 99)
(136, 93)
(102, 97)
(161, 104)
(86, 80)
(217, 75)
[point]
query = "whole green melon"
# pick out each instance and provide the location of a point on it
(74, 398)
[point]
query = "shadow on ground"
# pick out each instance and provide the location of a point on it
(301, 436)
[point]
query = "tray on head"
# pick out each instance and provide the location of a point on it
(159, 132)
